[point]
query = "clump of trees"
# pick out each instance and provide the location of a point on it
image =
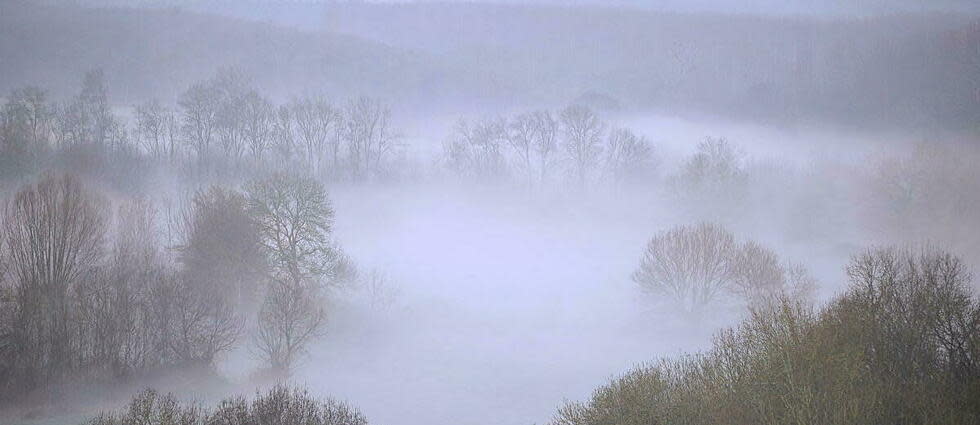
(88, 289)
(280, 405)
(79, 133)
(696, 265)
(573, 146)
(901, 345)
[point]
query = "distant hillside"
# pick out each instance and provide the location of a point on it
(906, 69)
(159, 52)
(910, 71)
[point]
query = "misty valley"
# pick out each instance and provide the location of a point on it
(479, 212)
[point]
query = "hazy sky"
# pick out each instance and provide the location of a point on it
(791, 7)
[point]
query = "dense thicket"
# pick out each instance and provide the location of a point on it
(89, 290)
(901, 345)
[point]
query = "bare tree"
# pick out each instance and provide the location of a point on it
(716, 165)
(170, 125)
(197, 324)
(478, 149)
(628, 156)
(521, 137)
(114, 331)
(258, 116)
(315, 122)
(582, 130)
(919, 300)
(696, 265)
(689, 264)
(295, 218)
(291, 316)
(232, 88)
(87, 119)
(157, 130)
(25, 120)
(367, 132)
(134, 264)
(71, 125)
(546, 140)
(458, 150)
(712, 180)
(151, 129)
(799, 284)
(10, 355)
(283, 132)
(94, 102)
(381, 294)
(53, 238)
(199, 111)
(756, 272)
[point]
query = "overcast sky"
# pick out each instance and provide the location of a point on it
(835, 7)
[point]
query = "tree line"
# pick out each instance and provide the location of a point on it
(572, 147)
(224, 127)
(221, 124)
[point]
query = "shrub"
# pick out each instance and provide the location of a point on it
(279, 406)
(901, 346)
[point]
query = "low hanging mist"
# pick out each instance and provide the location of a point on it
(567, 213)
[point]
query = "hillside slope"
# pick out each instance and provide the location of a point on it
(159, 52)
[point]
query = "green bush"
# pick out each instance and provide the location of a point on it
(900, 346)
(279, 406)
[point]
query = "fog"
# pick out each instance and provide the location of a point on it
(508, 305)
(469, 212)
